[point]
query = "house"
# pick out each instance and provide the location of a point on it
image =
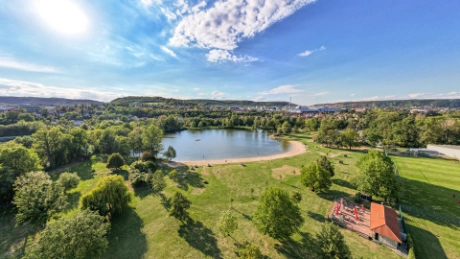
(384, 226)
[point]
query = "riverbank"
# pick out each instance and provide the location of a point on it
(297, 149)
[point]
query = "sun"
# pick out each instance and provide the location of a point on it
(63, 16)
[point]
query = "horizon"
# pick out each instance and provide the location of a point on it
(316, 52)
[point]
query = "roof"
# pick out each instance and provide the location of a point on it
(385, 222)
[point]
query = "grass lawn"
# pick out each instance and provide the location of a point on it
(145, 230)
(432, 214)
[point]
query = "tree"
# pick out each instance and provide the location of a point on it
(316, 178)
(228, 223)
(326, 164)
(81, 236)
(170, 153)
(115, 162)
(180, 205)
(349, 138)
(135, 140)
(68, 181)
(276, 215)
(158, 181)
(249, 251)
(37, 198)
(312, 124)
(19, 159)
(377, 176)
(48, 140)
(151, 139)
(286, 127)
(109, 197)
(332, 243)
(296, 197)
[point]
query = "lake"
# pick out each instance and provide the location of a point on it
(215, 144)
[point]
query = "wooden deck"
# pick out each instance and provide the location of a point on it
(347, 219)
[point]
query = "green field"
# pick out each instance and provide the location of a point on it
(432, 214)
(145, 230)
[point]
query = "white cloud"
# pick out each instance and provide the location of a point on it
(309, 52)
(453, 93)
(228, 22)
(169, 15)
(168, 51)
(416, 95)
(218, 94)
(22, 88)
(320, 94)
(306, 53)
(9, 63)
(148, 3)
(259, 98)
(196, 89)
(282, 89)
(352, 94)
(373, 98)
(218, 55)
(202, 94)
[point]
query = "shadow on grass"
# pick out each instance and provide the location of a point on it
(165, 202)
(316, 216)
(334, 194)
(426, 244)
(14, 239)
(185, 178)
(430, 202)
(123, 173)
(246, 216)
(126, 239)
(200, 237)
(143, 192)
(293, 186)
(305, 248)
(344, 183)
(73, 198)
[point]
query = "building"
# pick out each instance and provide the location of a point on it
(447, 150)
(384, 226)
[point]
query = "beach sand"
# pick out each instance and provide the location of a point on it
(297, 149)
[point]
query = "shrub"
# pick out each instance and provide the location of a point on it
(139, 179)
(115, 161)
(68, 180)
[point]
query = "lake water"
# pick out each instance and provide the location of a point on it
(218, 144)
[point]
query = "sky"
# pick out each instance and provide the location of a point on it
(311, 51)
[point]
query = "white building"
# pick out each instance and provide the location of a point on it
(448, 150)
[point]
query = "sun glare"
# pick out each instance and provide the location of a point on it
(63, 16)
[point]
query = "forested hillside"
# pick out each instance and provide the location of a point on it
(399, 104)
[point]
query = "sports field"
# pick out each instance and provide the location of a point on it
(146, 231)
(432, 214)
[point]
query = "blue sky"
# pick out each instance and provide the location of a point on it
(313, 51)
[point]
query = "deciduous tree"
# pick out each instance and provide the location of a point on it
(151, 139)
(276, 215)
(37, 198)
(170, 153)
(180, 205)
(115, 161)
(326, 164)
(68, 180)
(228, 223)
(316, 178)
(109, 197)
(79, 237)
(332, 243)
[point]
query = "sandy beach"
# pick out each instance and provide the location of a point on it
(297, 149)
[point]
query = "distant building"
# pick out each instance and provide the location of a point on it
(447, 150)
(384, 226)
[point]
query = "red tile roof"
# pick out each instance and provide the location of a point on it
(384, 222)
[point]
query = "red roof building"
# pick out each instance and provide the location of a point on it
(384, 225)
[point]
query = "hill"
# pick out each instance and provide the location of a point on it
(11, 100)
(126, 101)
(400, 104)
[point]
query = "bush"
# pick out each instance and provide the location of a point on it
(249, 251)
(139, 179)
(147, 156)
(140, 166)
(68, 180)
(115, 161)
